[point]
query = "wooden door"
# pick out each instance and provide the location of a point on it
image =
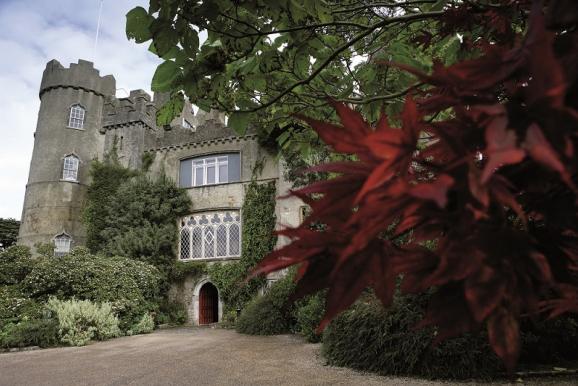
(208, 304)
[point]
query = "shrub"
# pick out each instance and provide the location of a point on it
(549, 341)
(270, 313)
(16, 306)
(366, 337)
(141, 221)
(308, 313)
(80, 321)
(130, 286)
(15, 263)
(37, 332)
(145, 325)
(171, 313)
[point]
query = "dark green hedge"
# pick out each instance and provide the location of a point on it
(309, 313)
(367, 337)
(269, 314)
(131, 286)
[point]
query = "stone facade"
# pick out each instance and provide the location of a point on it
(53, 202)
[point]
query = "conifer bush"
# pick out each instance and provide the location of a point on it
(309, 313)
(368, 337)
(269, 314)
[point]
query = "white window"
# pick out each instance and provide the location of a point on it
(187, 124)
(76, 117)
(211, 170)
(70, 168)
(210, 235)
(62, 244)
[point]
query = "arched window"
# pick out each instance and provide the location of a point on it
(76, 117)
(62, 244)
(70, 168)
(211, 235)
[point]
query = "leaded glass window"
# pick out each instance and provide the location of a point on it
(76, 117)
(70, 168)
(210, 235)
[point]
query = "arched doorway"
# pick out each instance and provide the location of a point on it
(208, 304)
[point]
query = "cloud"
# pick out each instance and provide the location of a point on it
(37, 31)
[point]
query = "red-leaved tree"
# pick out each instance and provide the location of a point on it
(494, 186)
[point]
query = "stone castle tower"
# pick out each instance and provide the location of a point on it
(67, 138)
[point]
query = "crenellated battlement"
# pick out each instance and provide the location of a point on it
(137, 107)
(81, 75)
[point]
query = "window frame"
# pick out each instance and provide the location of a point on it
(76, 116)
(72, 175)
(188, 228)
(62, 249)
(201, 163)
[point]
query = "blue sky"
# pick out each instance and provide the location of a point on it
(34, 32)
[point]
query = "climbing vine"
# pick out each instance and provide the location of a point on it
(106, 176)
(258, 215)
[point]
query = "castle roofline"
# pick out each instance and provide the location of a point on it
(81, 75)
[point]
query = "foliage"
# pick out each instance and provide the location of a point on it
(484, 163)
(549, 341)
(35, 332)
(309, 313)
(183, 269)
(106, 178)
(171, 313)
(141, 221)
(132, 287)
(258, 239)
(15, 263)
(16, 306)
(8, 232)
(269, 314)
(367, 337)
(145, 325)
(80, 321)
(264, 61)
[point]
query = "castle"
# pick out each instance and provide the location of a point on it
(81, 119)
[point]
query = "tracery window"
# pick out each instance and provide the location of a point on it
(210, 235)
(76, 117)
(62, 244)
(70, 168)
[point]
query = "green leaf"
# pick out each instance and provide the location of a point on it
(165, 75)
(138, 22)
(238, 121)
(170, 110)
(190, 42)
(298, 12)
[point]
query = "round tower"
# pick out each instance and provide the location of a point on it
(68, 136)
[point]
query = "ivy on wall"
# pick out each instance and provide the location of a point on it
(258, 214)
(106, 176)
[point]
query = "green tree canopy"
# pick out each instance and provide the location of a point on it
(263, 61)
(8, 232)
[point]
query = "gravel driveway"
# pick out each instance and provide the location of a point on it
(190, 356)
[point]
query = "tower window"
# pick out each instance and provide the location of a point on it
(62, 244)
(76, 117)
(70, 168)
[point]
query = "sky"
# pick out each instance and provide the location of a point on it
(36, 31)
